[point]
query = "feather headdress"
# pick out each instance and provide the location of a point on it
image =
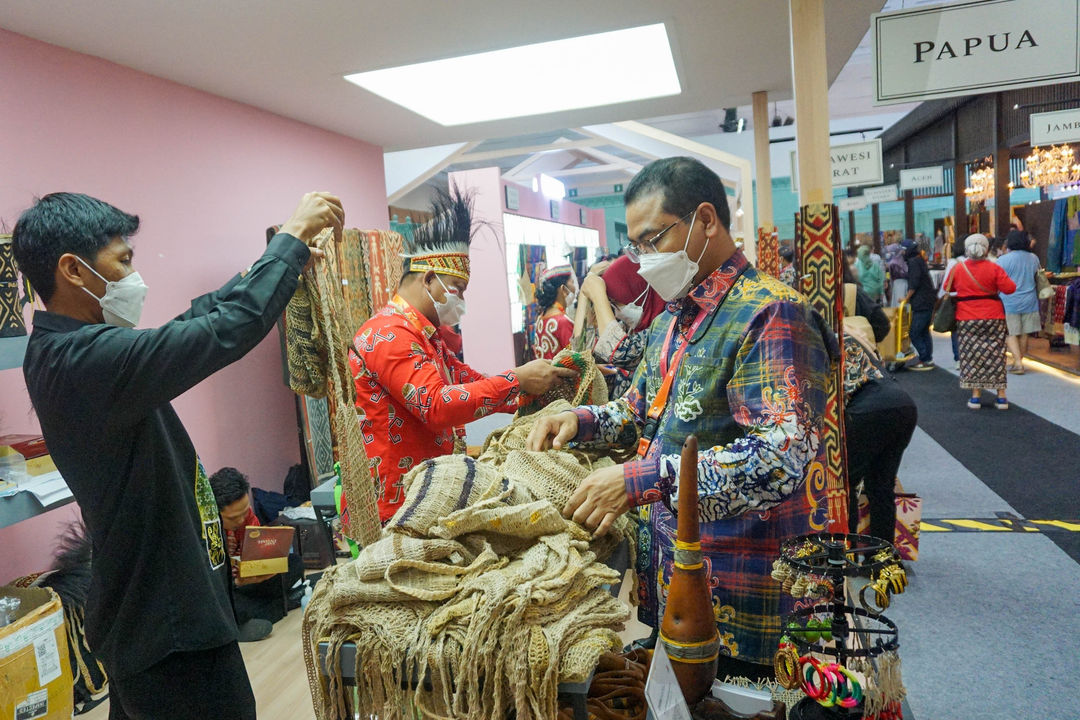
(442, 243)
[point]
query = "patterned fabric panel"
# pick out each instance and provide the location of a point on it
(11, 317)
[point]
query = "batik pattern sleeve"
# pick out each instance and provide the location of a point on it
(777, 397)
(403, 365)
(618, 422)
(462, 373)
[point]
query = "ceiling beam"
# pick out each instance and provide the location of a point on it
(407, 170)
(528, 150)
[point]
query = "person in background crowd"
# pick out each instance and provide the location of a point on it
(1022, 306)
(554, 293)
(258, 601)
(879, 420)
(414, 395)
(789, 274)
(158, 614)
(957, 256)
(849, 261)
(921, 296)
(980, 321)
(746, 360)
(871, 276)
(625, 306)
(896, 266)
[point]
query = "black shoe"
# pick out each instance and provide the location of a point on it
(254, 630)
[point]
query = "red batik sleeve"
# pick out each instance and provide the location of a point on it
(407, 371)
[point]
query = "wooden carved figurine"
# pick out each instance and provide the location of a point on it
(688, 630)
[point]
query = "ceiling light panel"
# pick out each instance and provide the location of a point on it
(581, 72)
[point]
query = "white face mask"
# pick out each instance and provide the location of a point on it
(122, 303)
(451, 310)
(630, 314)
(671, 274)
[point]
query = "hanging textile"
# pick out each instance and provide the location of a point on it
(11, 315)
(532, 261)
(325, 324)
(352, 265)
(1057, 237)
(384, 264)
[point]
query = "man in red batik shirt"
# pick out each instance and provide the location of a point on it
(415, 395)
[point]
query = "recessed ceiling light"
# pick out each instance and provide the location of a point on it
(587, 71)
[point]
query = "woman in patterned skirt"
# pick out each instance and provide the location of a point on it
(980, 321)
(554, 292)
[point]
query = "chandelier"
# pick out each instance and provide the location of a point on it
(1055, 166)
(980, 185)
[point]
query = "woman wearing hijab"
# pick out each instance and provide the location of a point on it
(554, 292)
(1021, 307)
(625, 306)
(980, 320)
(870, 274)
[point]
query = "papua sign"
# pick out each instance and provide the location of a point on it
(854, 164)
(974, 47)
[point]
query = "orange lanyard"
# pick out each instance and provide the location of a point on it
(656, 409)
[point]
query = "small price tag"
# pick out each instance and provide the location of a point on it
(47, 655)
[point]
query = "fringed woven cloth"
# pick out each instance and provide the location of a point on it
(588, 388)
(478, 599)
(317, 343)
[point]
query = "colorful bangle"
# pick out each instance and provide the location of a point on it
(810, 665)
(786, 666)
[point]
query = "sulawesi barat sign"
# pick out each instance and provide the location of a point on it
(853, 164)
(974, 47)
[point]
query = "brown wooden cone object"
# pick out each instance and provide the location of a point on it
(688, 630)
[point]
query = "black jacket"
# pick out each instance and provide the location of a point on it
(160, 576)
(920, 283)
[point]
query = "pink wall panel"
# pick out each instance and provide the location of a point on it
(206, 176)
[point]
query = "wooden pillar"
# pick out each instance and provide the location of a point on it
(875, 227)
(851, 222)
(909, 214)
(818, 240)
(768, 257)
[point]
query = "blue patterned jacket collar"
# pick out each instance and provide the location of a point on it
(710, 292)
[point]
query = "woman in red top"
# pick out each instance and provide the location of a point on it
(980, 321)
(554, 292)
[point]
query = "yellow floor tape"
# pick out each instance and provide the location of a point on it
(997, 525)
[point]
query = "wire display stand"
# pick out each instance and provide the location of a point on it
(817, 567)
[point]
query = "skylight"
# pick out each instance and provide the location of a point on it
(580, 72)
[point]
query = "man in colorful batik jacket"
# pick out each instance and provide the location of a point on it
(414, 394)
(749, 359)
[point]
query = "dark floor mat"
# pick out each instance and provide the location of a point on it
(1028, 461)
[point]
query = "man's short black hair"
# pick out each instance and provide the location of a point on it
(65, 223)
(229, 485)
(685, 184)
(787, 253)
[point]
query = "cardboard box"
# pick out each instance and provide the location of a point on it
(265, 550)
(35, 673)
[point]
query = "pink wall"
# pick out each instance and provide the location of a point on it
(487, 328)
(206, 176)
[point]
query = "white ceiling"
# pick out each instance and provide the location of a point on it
(288, 57)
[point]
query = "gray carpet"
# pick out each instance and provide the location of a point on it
(989, 628)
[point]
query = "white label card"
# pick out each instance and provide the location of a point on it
(47, 655)
(662, 692)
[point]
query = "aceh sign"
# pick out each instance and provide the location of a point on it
(974, 47)
(853, 164)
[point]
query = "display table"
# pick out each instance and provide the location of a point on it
(573, 692)
(23, 506)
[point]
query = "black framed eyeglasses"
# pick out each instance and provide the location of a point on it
(634, 251)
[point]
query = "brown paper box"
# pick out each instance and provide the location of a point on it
(35, 644)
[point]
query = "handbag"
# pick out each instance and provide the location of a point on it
(908, 519)
(945, 315)
(1042, 285)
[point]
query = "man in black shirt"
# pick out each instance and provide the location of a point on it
(158, 611)
(921, 296)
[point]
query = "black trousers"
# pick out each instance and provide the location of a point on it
(879, 421)
(202, 684)
(920, 333)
